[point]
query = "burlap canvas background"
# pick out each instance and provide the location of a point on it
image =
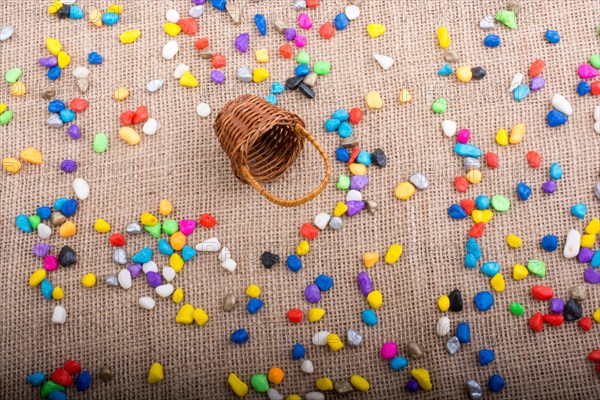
(184, 163)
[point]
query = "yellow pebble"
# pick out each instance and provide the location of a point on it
(53, 46)
(171, 29)
(185, 315)
(260, 74)
(375, 299)
(497, 283)
(474, 176)
(374, 100)
(177, 296)
(177, 241)
(517, 133)
(262, 55)
(57, 293)
(502, 137)
(404, 190)
(514, 241)
(253, 291)
(63, 60)
(405, 96)
(443, 37)
(37, 277)
(200, 316)
(293, 397)
(324, 384)
(596, 315)
(482, 216)
(359, 383)
(393, 254)
(67, 229)
(130, 36)
(176, 262)
(18, 89)
(370, 259)
(303, 248)
(11, 165)
(54, 7)
(115, 8)
(101, 226)
(188, 80)
(376, 30)
(520, 272)
(31, 155)
(334, 342)
(88, 280)
(155, 374)
(96, 17)
(340, 209)
(237, 385)
(464, 74)
(2, 108)
(443, 303)
(129, 135)
(315, 314)
(357, 169)
(593, 228)
(165, 207)
(121, 93)
(148, 219)
(588, 240)
(422, 376)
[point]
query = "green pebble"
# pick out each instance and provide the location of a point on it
(507, 18)
(595, 60)
(439, 106)
(5, 117)
(259, 383)
(322, 68)
(302, 58)
(343, 182)
(100, 142)
(48, 387)
(537, 267)
(35, 220)
(598, 29)
(516, 308)
(154, 230)
(170, 226)
(500, 203)
(13, 74)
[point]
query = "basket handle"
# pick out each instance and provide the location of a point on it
(245, 171)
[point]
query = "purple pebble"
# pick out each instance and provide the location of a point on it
(48, 62)
(217, 76)
(556, 305)
(354, 207)
(364, 283)
(198, 2)
(412, 386)
(154, 279)
(537, 83)
(290, 34)
(585, 255)
(74, 131)
(312, 293)
(41, 249)
(134, 270)
(358, 182)
(549, 187)
(68, 166)
(591, 276)
(242, 42)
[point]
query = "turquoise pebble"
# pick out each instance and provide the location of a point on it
(332, 125)
(67, 115)
(595, 262)
(473, 248)
(165, 248)
(482, 202)
(398, 363)
(298, 351)
(369, 317)
(555, 171)
(521, 92)
(23, 223)
(445, 70)
(293, 263)
(142, 256)
(47, 289)
(579, 210)
(364, 157)
(490, 268)
(455, 211)
(36, 379)
(272, 99)
(483, 300)
(523, 191)
(341, 115)
(76, 12)
(345, 130)
(59, 203)
(44, 212)
(277, 87)
(470, 261)
(467, 150)
(463, 332)
(110, 18)
(188, 252)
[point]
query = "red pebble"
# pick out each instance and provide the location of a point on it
(309, 231)
(468, 205)
(62, 377)
(140, 115)
(536, 322)
(491, 159)
(116, 239)
(595, 88)
(294, 315)
(201, 43)
(312, 3)
(188, 25)
(355, 115)
(594, 356)
(477, 230)
(585, 323)
(598, 368)
(553, 319)
(78, 104)
(219, 61)
(207, 221)
(461, 183)
(542, 292)
(353, 155)
(536, 68)
(534, 159)
(286, 50)
(327, 30)
(72, 367)
(126, 117)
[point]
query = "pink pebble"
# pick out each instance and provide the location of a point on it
(389, 350)
(463, 136)
(586, 71)
(300, 41)
(304, 21)
(50, 263)
(187, 226)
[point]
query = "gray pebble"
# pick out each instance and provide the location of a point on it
(450, 56)
(597, 190)
(471, 163)
(350, 142)
(6, 33)
(106, 374)
(579, 292)
(342, 387)
(336, 223)
(229, 302)
(48, 94)
(474, 389)
(133, 229)
(419, 181)
(83, 84)
(112, 280)
(206, 53)
(120, 256)
(354, 338)
(54, 121)
(414, 350)
(299, 4)
(57, 218)
(453, 345)
(310, 79)
(244, 74)
(371, 206)
(281, 26)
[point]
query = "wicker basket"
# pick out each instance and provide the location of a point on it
(262, 141)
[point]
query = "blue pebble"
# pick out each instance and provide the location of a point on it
(36, 379)
(446, 70)
(293, 263)
(463, 332)
(302, 70)
(324, 282)
(342, 155)
(83, 381)
(298, 351)
(76, 12)
(345, 130)
(595, 262)
(492, 40)
(470, 261)
(467, 150)
(272, 99)
(369, 317)
(254, 305)
(579, 210)
(556, 118)
(58, 204)
(95, 58)
(277, 87)
(261, 24)
(486, 356)
(555, 171)
(496, 383)
(46, 288)
(482, 202)
(54, 73)
(69, 208)
(341, 115)
(483, 300)
(219, 4)
(23, 223)
(57, 395)
(523, 191)
(240, 336)
(44, 212)
(521, 92)
(332, 125)
(583, 88)
(110, 18)
(165, 247)
(340, 21)
(473, 248)
(455, 211)
(56, 106)
(550, 242)
(490, 269)
(552, 36)
(398, 363)
(67, 115)
(364, 158)
(142, 256)
(188, 252)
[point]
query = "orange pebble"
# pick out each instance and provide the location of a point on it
(286, 50)
(67, 229)
(534, 159)
(312, 3)
(477, 230)
(275, 375)
(461, 183)
(595, 88)
(370, 259)
(188, 25)
(177, 241)
(536, 68)
(201, 43)
(218, 61)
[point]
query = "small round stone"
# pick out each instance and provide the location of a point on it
(453, 345)
(203, 110)
(354, 338)
(474, 389)
(579, 292)
(415, 350)
(229, 302)
(106, 374)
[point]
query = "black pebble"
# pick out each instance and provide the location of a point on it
(294, 82)
(478, 73)
(67, 256)
(269, 259)
(378, 158)
(572, 311)
(306, 90)
(63, 12)
(456, 301)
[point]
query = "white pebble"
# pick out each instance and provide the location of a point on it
(165, 291)
(516, 81)
(385, 61)
(172, 16)
(597, 126)
(147, 302)
(149, 266)
(354, 195)
(179, 70)
(81, 72)
(68, 2)
(443, 326)
(314, 396)
(307, 367)
(321, 220)
(82, 189)
(274, 394)
(320, 338)
(562, 104)
(597, 113)
(203, 110)
(211, 244)
(151, 126)
(170, 49)
(419, 181)
(352, 12)
(449, 127)
(229, 264)
(573, 244)
(487, 23)
(124, 278)
(299, 4)
(196, 11)
(59, 316)
(6, 33)
(168, 273)
(153, 86)
(44, 231)
(225, 254)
